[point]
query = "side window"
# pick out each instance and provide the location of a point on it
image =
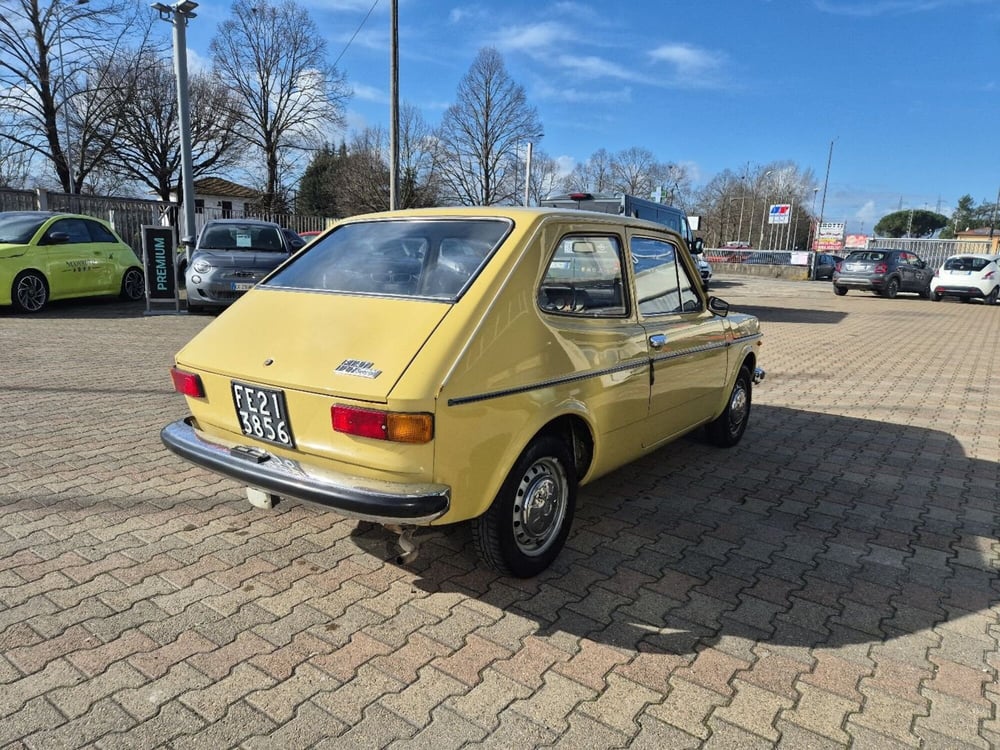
(662, 284)
(584, 277)
(99, 233)
(75, 228)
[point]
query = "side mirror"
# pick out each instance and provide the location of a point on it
(718, 306)
(188, 241)
(56, 238)
(698, 247)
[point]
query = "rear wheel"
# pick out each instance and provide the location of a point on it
(892, 288)
(991, 298)
(529, 520)
(726, 430)
(840, 291)
(29, 293)
(936, 297)
(133, 285)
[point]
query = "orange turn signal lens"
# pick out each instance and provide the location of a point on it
(381, 425)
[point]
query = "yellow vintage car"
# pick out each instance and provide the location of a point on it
(48, 256)
(465, 364)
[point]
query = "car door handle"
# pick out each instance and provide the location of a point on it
(657, 340)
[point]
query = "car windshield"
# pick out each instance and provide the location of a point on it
(966, 263)
(238, 237)
(18, 229)
(429, 259)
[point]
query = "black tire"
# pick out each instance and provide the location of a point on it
(29, 292)
(925, 293)
(892, 288)
(991, 298)
(726, 430)
(840, 291)
(526, 526)
(133, 285)
(936, 297)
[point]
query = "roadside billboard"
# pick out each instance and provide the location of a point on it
(830, 237)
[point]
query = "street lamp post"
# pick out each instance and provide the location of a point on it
(65, 83)
(178, 15)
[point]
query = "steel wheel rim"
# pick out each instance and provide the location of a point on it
(31, 293)
(540, 503)
(133, 284)
(739, 407)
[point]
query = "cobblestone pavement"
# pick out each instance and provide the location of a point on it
(830, 582)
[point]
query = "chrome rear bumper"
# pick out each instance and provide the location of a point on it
(357, 497)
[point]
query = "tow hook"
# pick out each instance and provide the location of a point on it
(408, 549)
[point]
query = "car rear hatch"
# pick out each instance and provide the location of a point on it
(350, 346)
(864, 264)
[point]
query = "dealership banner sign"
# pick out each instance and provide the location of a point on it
(158, 252)
(780, 213)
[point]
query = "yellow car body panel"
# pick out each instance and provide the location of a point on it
(492, 367)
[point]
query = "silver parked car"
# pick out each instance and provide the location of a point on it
(229, 258)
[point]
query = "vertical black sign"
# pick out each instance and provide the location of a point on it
(158, 250)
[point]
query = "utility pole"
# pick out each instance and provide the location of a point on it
(394, 107)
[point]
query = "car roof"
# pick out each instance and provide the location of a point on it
(49, 215)
(254, 222)
(985, 256)
(517, 214)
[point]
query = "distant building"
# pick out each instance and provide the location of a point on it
(983, 233)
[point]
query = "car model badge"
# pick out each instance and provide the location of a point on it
(358, 367)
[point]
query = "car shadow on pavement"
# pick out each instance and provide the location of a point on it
(816, 531)
(791, 314)
(97, 307)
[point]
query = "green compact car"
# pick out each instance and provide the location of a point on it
(48, 256)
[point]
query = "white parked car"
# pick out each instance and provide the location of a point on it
(967, 277)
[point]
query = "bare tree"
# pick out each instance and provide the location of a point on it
(544, 177)
(595, 175)
(43, 50)
(481, 133)
(274, 59)
(142, 141)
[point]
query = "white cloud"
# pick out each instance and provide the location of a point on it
(369, 93)
(537, 40)
(691, 66)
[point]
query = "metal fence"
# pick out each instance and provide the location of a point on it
(932, 252)
(128, 215)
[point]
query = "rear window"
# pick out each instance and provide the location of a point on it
(868, 255)
(427, 259)
(966, 264)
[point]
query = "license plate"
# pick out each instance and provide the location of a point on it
(263, 414)
(242, 286)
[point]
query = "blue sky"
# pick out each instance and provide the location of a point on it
(907, 90)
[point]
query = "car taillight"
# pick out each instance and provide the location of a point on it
(838, 266)
(989, 274)
(881, 268)
(937, 272)
(187, 383)
(383, 425)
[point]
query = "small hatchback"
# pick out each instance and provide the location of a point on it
(968, 277)
(884, 271)
(478, 364)
(49, 256)
(230, 256)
